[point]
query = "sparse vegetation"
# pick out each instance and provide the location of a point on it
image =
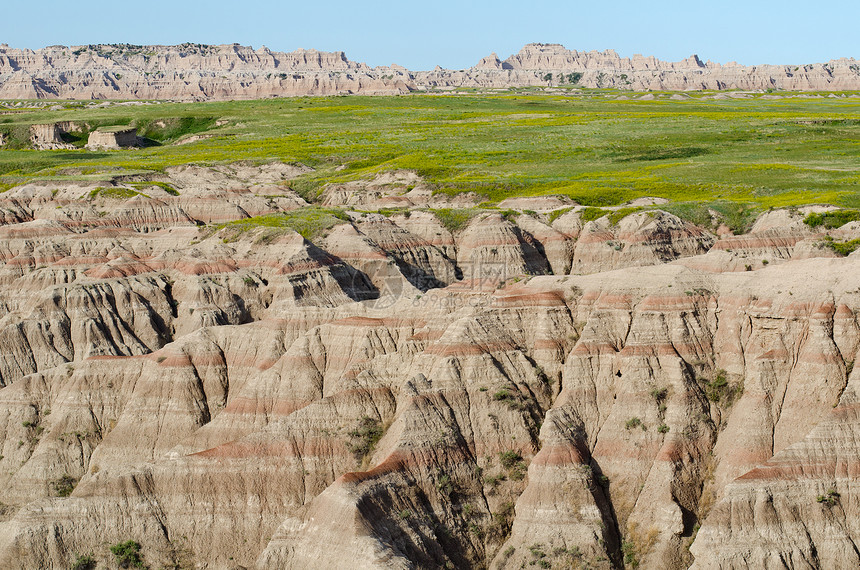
(84, 562)
(114, 193)
(455, 220)
(831, 219)
(719, 390)
(829, 499)
(513, 461)
(127, 554)
(64, 486)
(364, 437)
(634, 422)
(628, 549)
(310, 223)
(513, 400)
(163, 185)
(842, 247)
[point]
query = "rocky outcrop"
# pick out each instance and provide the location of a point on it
(112, 138)
(234, 398)
(199, 72)
(47, 137)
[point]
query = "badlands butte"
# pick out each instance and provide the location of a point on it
(206, 72)
(578, 329)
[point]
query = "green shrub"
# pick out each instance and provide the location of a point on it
(64, 486)
(365, 437)
(84, 562)
(574, 78)
(830, 499)
(832, 219)
(127, 554)
(628, 549)
(843, 248)
(510, 458)
(634, 422)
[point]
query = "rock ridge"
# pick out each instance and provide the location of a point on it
(217, 72)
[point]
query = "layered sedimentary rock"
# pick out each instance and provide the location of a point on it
(503, 394)
(47, 137)
(194, 71)
(111, 138)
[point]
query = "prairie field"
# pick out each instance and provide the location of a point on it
(735, 155)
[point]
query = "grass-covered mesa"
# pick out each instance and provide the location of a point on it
(310, 223)
(738, 156)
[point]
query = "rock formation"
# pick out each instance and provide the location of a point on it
(111, 138)
(203, 72)
(47, 137)
(510, 393)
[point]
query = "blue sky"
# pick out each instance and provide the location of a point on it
(455, 34)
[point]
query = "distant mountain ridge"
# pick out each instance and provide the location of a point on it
(206, 72)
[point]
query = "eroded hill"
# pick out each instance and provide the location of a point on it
(211, 367)
(207, 72)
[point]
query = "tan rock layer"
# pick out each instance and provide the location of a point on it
(192, 71)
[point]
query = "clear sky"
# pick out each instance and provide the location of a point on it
(455, 33)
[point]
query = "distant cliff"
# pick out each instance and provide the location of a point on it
(200, 72)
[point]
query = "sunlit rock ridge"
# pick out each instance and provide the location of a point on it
(209, 72)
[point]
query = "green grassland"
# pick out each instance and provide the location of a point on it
(738, 156)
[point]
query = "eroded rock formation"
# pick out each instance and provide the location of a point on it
(412, 395)
(198, 72)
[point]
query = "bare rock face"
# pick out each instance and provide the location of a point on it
(235, 399)
(111, 138)
(47, 137)
(200, 72)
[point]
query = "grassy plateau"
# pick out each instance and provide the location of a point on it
(737, 156)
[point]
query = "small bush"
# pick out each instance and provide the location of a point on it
(444, 484)
(634, 423)
(494, 480)
(502, 395)
(659, 394)
(663, 428)
(365, 437)
(513, 462)
(843, 248)
(84, 562)
(64, 486)
(832, 220)
(510, 458)
(512, 400)
(830, 499)
(127, 554)
(719, 390)
(628, 549)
